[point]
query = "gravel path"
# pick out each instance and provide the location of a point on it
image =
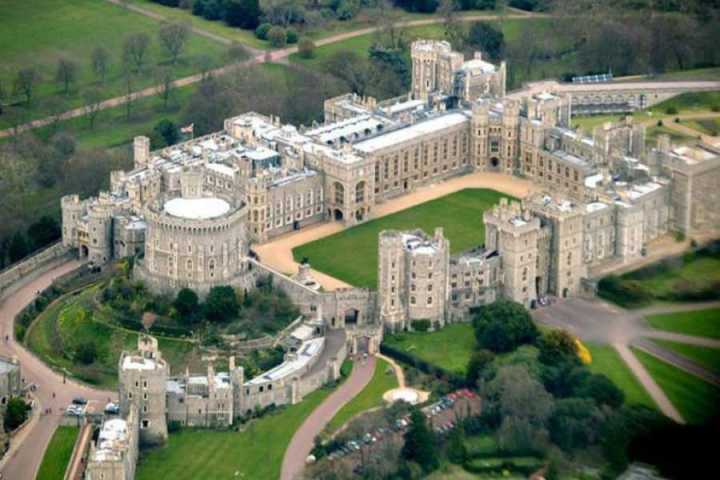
(303, 440)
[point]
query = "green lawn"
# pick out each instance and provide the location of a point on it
(57, 455)
(460, 214)
(383, 380)
(449, 348)
(607, 361)
(701, 323)
(706, 126)
(693, 101)
(706, 356)
(254, 454)
(60, 329)
(40, 32)
(695, 399)
(676, 137)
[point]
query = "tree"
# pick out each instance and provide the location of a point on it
(486, 37)
(3, 95)
(306, 48)
(503, 326)
(221, 304)
(420, 442)
(173, 37)
(100, 59)
(166, 79)
(236, 52)
(452, 25)
(66, 74)
(575, 423)
(16, 413)
(558, 346)
(25, 82)
(165, 133)
(86, 352)
(262, 30)
(18, 248)
(187, 304)
(243, 13)
(277, 37)
(599, 388)
(478, 361)
(129, 95)
(44, 232)
(135, 49)
(93, 102)
(456, 450)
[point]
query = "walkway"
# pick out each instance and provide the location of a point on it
(601, 322)
(277, 253)
(22, 463)
(75, 468)
(257, 57)
(303, 440)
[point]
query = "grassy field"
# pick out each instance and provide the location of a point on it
(460, 214)
(676, 137)
(607, 361)
(38, 33)
(383, 380)
(706, 126)
(695, 399)
(254, 454)
(701, 323)
(449, 348)
(70, 322)
(705, 356)
(689, 102)
(57, 455)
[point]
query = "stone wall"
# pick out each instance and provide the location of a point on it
(19, 274)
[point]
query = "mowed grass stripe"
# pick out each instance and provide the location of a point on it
(700, 323)
(352, 255)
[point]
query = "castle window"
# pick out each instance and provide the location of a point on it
(145, 409)
(412, 300)
(269, 387)
(429, 300)
(145, 396)
(429, 287)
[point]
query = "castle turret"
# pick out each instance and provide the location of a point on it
(141, 151)
(143, 378)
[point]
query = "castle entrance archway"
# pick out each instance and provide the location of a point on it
(337, 214)
(495, 163)
(84, 251)
(351, 316)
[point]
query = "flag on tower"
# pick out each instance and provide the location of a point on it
(188, 129)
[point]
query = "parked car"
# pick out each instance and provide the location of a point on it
(79, 401)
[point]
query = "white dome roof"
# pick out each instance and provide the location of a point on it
(197, 208)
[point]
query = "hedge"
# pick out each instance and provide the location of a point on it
(456, 381)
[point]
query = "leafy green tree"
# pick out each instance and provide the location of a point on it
(478, 361)
(503, 326)
(164, 133)
(16, 413)
(187, 304)
(277, 37)
(66, 74)
(599, 388)
(623, 426)
(18, 247)
(557, 346)
(575, 423)
(86, 352)
(420, 442)
(262, 30)
(456, 450)
(243, 13)
(484, 36)
(221, 304)
(44, 231)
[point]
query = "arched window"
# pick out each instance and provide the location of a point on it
(360, 192)
(339, 193)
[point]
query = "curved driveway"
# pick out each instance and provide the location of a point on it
(304, 439)
(22, 463)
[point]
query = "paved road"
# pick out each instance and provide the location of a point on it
(303, 440)
(22, 462)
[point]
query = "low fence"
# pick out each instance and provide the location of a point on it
(26, 270)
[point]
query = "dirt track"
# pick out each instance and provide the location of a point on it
(277, 253)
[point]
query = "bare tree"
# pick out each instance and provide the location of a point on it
(93, 101)
(452, 26)
(129, 95)
(174, 36)
(66, 73)
(205, 65)
(236, 53)
(25, 82)
(100, 63)
(135, 49)
(166, 79)
(389, 32)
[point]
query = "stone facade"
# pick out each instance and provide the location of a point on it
(10, 381)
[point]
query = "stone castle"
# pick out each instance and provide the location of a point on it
(189, 213)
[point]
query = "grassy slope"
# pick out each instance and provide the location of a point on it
(52, 29)
(449, 348)
(705, 356)
(607, 361)
(459, 213)
(58, 453)
(702, 323)
(65, 325)
(695, 399)
(255, 454)
(370, 397)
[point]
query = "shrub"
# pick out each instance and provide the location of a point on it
(262, 30)
(15, 414)
(277, 37)
(421, 325)
(174, 426)
(86, 353)
(221, 304)
(186, 303)
(503, 326)
(671, 111)
(292, 37)
(715, 108)
(306, 48)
